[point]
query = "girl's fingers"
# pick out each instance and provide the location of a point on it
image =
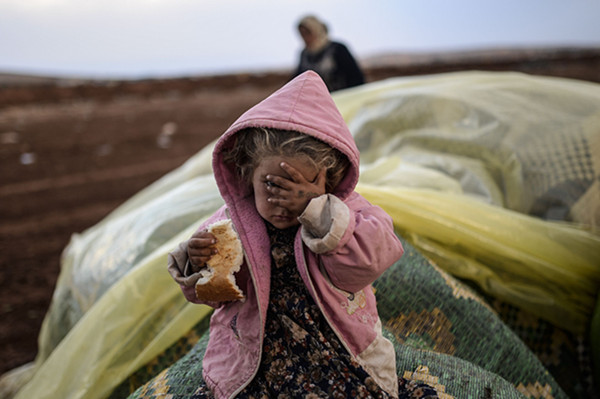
(296, 178)
(197, 244)
(203, 236)
(207, 251)
(282, 202)
(321, 178)
(276, 201)
(278, 182)
(293, 172)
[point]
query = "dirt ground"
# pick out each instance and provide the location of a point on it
(71, 152)
(65, 165)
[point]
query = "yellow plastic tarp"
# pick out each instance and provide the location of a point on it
(549, 269)
(140, 316)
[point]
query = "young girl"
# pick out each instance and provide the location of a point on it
(308, 326)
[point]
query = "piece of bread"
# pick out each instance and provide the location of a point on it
(217, 283)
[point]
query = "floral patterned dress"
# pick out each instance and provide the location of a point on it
(302, 356)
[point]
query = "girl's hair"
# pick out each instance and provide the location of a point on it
(254, 144)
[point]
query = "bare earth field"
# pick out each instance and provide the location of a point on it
(71, 151)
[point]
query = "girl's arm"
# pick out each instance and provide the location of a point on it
(355, 239)
(180, 268)
(183, 271)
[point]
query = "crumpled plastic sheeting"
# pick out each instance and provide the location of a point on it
(440, 153)
(140, 316)
(515, 142)
(95, 260)
(547, 268)
(526, 143)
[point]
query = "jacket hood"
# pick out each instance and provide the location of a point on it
(303, 105)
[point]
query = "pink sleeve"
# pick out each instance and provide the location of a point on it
(355, 240)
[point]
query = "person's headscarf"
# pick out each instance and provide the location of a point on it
(318, 29)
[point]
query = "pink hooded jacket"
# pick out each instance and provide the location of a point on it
(343, 245)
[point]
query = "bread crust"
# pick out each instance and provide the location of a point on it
(218, 282)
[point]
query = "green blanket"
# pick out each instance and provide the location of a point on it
(445, 334)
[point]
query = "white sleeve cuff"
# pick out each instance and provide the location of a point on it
(180, 268)
(324, 222)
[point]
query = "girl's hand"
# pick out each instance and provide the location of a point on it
(295, 192)
(200, 249)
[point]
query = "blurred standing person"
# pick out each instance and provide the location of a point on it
(330, 59)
